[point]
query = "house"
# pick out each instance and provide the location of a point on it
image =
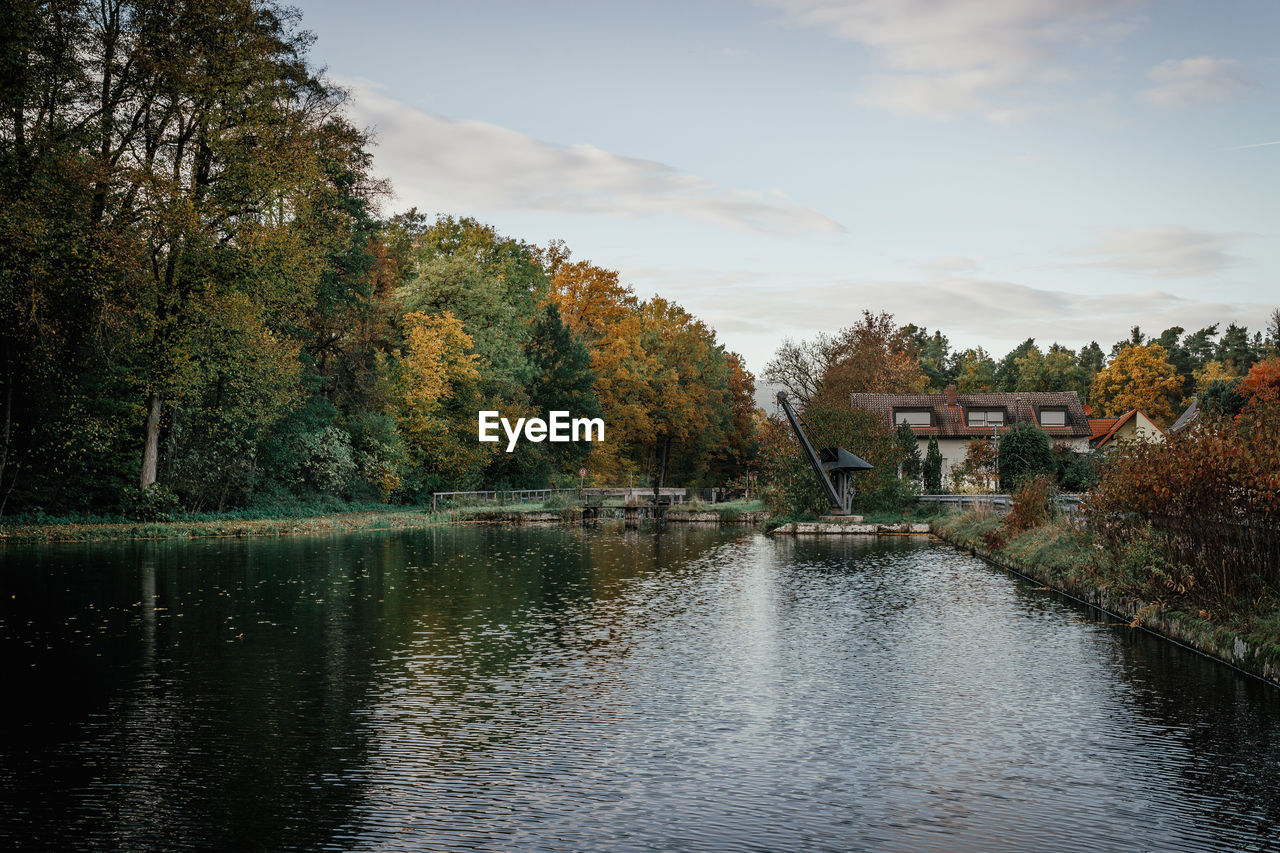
(956, 419)
(1133, 425)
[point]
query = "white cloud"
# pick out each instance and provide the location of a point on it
(460, 166)
(948, 58)
(1198, 80)
(1168, 251)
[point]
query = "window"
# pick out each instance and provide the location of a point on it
(1053, 417)
(986, 417)
(917, 418)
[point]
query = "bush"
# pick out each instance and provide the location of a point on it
(1032, 504)
(1025, 452)
(1210, 493)
(1075, 472)
(155, 504)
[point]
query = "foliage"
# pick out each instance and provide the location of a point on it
(1139, 377)
(1212, 494)
(933, 467)
(790, 487)
(912, 464)
(1025, 452)
(1032, 503)
(1223, 397)
(1075, 472)
(977, 471)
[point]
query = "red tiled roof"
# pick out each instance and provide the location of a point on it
(1101, 426)
(1099, 439)
(950, 421)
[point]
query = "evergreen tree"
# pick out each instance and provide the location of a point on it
(933, 467)
(911, 462)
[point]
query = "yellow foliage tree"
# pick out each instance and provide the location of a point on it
(1139, 377)
(434, 383)
(1211, 372)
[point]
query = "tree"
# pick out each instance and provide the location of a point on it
(1235, 350)
(562, 377)
(1007, 369)
(1263, 378)
(1055, 371)
(1208, 373)
(978, 469)
(933, 467)
(975, 372)
(912, 465)
(871, 356)
(1223, 397)
(798, 367)
(1025, 452)
(1139, 377)
(435, 380)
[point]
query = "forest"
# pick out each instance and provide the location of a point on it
(204, 306)
(203, 309)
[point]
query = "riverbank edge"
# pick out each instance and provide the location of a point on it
(1221, 644)
(348, 522)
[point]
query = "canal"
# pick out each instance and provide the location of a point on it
(569, 689)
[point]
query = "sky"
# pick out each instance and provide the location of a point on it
(995, 169)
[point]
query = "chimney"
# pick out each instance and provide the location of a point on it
(951, 395)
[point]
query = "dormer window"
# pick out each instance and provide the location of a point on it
(1053, 417)
(985, 417)
(912, 417)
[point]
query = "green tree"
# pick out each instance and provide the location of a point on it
(933, 467)
(1007, 369)
(912, 465)
(975, 372)
(1025, 452)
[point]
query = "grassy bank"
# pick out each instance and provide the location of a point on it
(287, 520)
(1243, 632)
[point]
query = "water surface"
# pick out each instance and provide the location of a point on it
(557, 689)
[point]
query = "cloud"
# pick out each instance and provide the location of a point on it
(1198, 80)
(1167, 251)
(460, 166)
(950, 58)
(951, 264)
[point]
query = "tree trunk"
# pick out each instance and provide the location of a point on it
(151, 450)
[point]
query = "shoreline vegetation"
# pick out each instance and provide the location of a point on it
(1243, 632)
(333, 519)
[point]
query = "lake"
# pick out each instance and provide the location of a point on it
(598, 689)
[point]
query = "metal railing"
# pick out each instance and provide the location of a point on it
(1067, 503)
(498, 498)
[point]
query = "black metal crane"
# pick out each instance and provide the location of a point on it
(834, 466)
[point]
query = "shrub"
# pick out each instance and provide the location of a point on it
(1032, 504)
(1025, 451)
(1211, 492)
(155, 504)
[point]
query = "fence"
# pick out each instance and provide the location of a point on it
(1069, 504)
(441, 500)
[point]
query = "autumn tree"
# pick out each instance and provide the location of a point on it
(975, 372)
(1263, 378)
(1139, 377)
(874, 356)
(435, 393)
